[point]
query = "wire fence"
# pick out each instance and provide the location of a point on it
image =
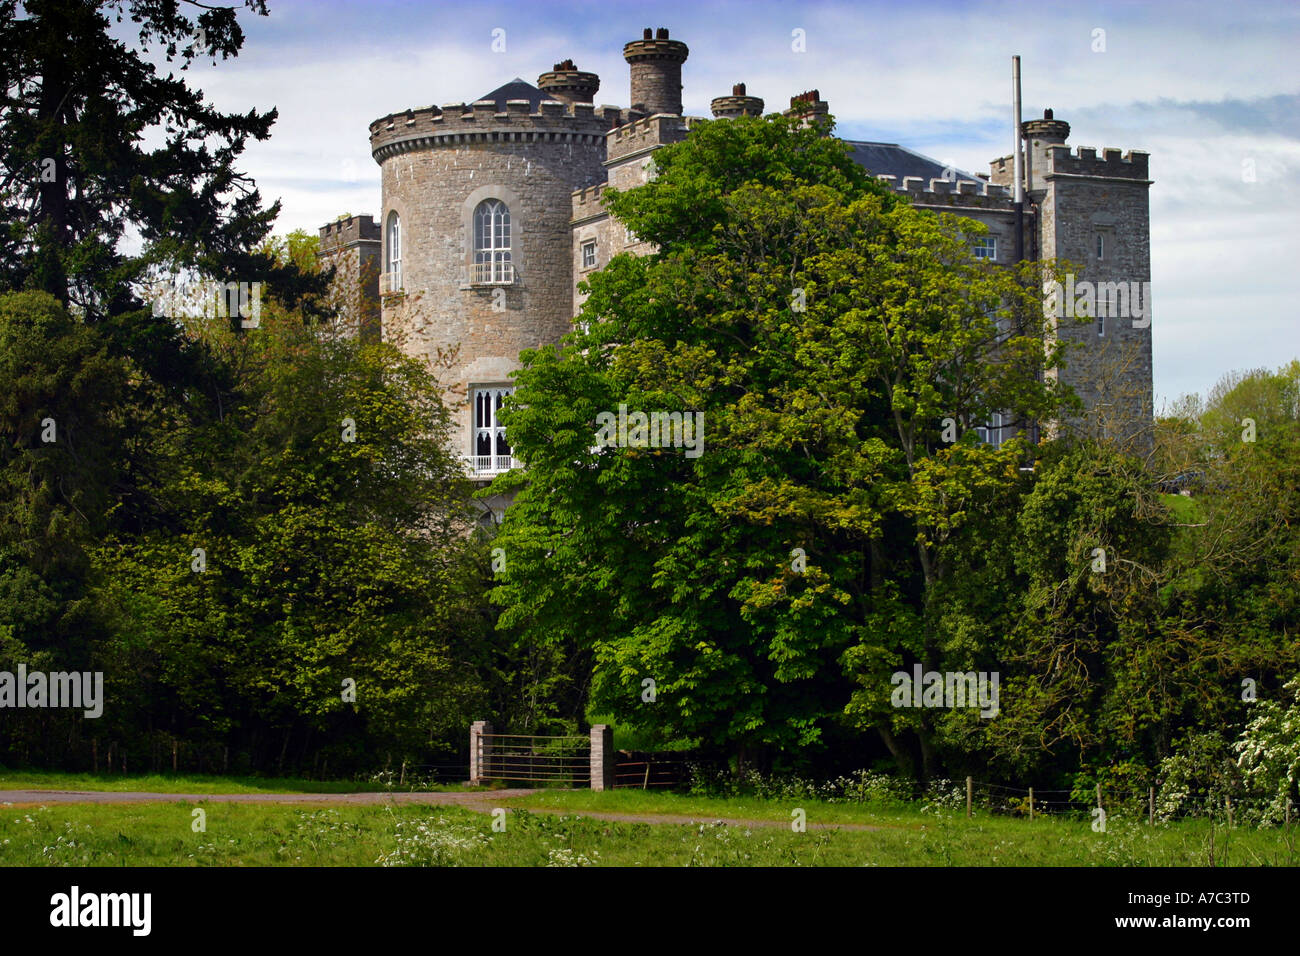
(1155, 803)
(650, 772)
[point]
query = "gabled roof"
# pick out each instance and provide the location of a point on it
(516, 89)
(890, 159)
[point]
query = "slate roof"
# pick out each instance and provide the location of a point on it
(516, 89)
(890, 159)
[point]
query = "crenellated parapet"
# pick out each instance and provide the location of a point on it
(458, 124)
(1083, 161)
(645, 134)
(347, 232)
(589, 203)
(958, 192)
(1110, 164)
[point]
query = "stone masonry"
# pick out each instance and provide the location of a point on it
(548, 153)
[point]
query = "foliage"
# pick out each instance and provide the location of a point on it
(824, 329)
(1269, 750)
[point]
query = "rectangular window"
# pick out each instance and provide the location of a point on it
(996, 431)
(985, 247)
(1101, 325)
(589, 254)
(1101, 246)
(490, 452)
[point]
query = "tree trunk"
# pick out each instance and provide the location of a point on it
(902, 758)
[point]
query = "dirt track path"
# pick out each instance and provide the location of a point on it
(481, 801)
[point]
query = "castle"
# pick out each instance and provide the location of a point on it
(491, 215)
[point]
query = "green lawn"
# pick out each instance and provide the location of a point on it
(711, 808)
(161, 834)
(193, 783)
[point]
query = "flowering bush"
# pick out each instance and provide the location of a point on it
(433, 843)
(1268, 751)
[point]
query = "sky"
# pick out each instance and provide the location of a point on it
(1210, 90)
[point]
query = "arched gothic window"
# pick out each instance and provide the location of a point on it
(492, 262)
(393, 264)
(491, 450)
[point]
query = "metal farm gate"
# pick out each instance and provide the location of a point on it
(543, 761)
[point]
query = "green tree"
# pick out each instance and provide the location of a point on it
(317, 540)
(825, 329)
(62, 413)
(114, 177)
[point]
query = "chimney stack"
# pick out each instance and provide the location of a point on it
(568, 84)
(656, 67)
(737, 104)
(810, 106)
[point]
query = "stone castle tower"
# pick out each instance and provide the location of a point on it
(492, 214)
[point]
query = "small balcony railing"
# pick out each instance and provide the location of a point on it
(492, 273)
(482, 466)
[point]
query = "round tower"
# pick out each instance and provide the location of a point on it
(737, 104)
(1040, 136)
(568, 84)
(656, 67)
(476, 249)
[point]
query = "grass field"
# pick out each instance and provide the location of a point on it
(161, 834)
(193, 783)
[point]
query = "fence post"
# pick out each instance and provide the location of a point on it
(968, 797)
(1031, 803)
(1151, 806)
(478, 750)
(602, 757)
(1099, 807)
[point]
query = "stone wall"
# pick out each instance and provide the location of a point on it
(434, 179)
(351, 246)
(1109, 362)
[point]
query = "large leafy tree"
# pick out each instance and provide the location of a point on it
(825, 329)
(1193, 613)
(317, 539)
(101, 151)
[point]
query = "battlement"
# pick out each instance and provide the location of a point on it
(1085, 162)
(345, 232)
(460, 123)
(589, 201)
(658, 130)
(986, 194)
(658, 47)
